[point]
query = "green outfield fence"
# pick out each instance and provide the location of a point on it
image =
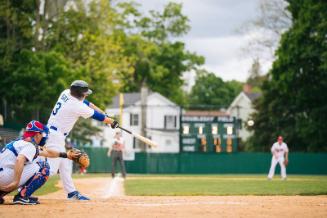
(208, 163)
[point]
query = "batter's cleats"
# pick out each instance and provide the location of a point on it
(2, 200)
(34, 198)
(24, 200)
(77, 196)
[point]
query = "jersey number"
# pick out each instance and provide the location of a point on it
(56, 109)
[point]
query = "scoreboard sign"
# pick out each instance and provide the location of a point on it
(208, 134)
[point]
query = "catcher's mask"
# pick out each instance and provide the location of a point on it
(35, 127)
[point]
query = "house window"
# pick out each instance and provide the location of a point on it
(136, 143)
(168, 142)
(134, 119)
(170, 122)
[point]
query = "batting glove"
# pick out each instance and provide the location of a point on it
(114, 124)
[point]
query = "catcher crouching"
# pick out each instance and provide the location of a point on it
(21, 168)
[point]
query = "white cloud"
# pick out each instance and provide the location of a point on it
(224, 56)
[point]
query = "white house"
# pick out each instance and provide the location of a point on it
(162, 122)
(242, 108)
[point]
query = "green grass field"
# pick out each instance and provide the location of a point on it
(188, 185)
(224, 185)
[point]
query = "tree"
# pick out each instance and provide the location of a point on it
(44, 51)
(256, 79)
(266, 29)
(34, 81)
(16, 32)
(211, 92)
(294, 97)
(158, 61)
(86, 36)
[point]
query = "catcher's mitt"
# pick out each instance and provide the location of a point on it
(285, 162)
(79, 157)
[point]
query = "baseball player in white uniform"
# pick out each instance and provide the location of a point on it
(18, 165)
(70, 106)
(279, 152)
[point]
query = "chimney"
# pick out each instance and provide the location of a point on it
(247, 88)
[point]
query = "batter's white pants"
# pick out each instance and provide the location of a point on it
(274, 162)
(7, 174)
(56, 141)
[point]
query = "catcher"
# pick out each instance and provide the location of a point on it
(19, 167)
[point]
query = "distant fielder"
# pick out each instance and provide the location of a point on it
(116, 154)
(70, 106)
(279, 152)
(19, 167)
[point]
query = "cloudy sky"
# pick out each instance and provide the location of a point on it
(214, 33)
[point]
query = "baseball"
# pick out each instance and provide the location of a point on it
(250, 122)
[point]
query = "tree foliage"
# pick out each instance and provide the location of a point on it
(211, 92)
(271, 22)
(35, 80)
(157, 60)
(294, 97)
(256, 78)
(42, 56)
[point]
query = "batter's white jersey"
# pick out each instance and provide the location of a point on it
(8, 157)
(62, 119)
(67, 111)
(279, 149)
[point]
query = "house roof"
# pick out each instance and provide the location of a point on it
(249, 96)
(135, 97)
(205, 113)
(252, 96)
(129, 99)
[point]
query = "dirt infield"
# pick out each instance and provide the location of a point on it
(108, 202)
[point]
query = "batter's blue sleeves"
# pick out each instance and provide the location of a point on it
(98, 116)
(86, 102)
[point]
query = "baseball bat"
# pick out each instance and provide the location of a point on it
(139, 137)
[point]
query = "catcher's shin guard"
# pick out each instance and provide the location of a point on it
(36, 181)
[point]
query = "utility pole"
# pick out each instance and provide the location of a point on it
(121, 106)
(144, 96)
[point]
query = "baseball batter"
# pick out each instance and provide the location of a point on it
(71, 105)
(279, 152)
(18, 165)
